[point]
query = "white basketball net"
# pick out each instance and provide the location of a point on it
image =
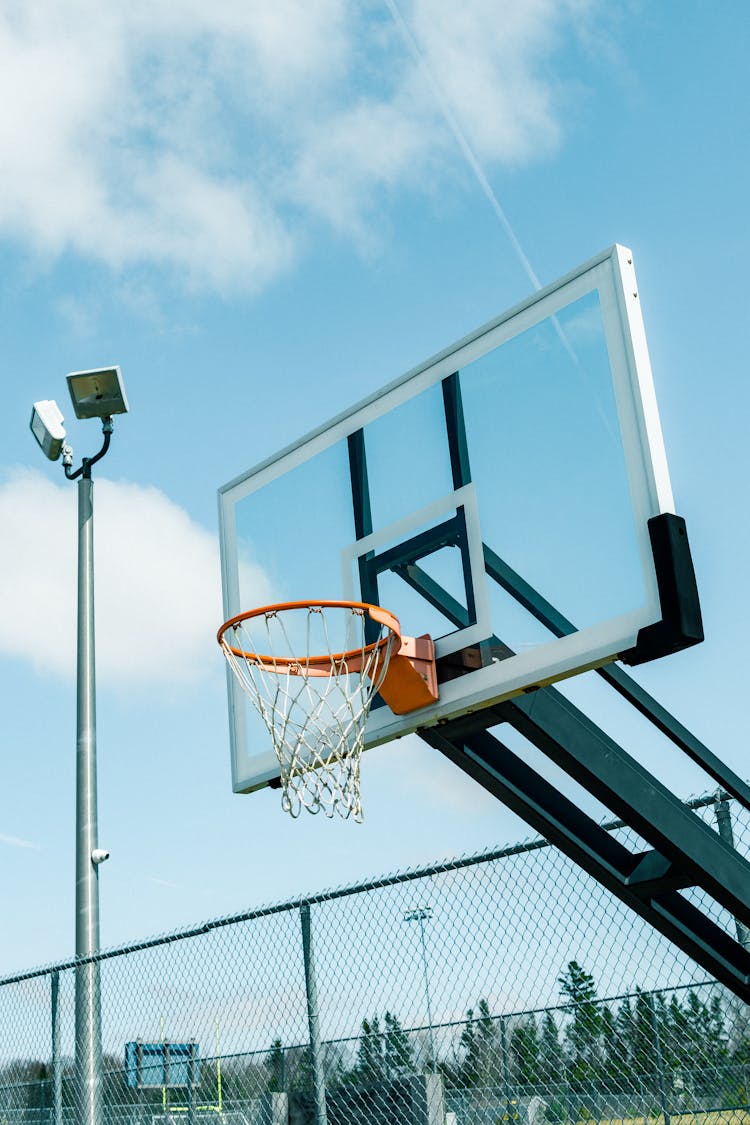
(316, 721)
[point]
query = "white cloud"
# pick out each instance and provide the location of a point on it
(158, 588)
(202, 138)
(366, 148)
(489, 58)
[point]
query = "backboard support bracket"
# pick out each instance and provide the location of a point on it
(681, 625)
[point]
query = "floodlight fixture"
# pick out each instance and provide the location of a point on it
(420, 914)
(47, 427)
(98, 394)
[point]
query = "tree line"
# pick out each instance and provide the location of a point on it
(636, 1041)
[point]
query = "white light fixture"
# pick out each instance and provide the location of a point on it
(47, 427)
(98, 394)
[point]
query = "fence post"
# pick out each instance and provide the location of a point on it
(506, 1072)
(724, 824)
(319, 1087)
(659, 1059)
(56, 1067)
(191, 1081)
(42, 1100)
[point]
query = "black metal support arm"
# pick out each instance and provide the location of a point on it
(84, 469)
(649, 883)
(593, 759)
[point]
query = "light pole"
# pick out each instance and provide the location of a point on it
(423, 914)
(95, 394)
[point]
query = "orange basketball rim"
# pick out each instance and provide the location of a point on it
(410, 681)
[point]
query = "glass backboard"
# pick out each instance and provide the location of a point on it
(523, 462)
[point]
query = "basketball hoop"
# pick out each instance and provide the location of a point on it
(311, 671)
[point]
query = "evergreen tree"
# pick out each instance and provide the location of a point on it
(737, 1015)
(741, 1052)
(584, 1034)
(677, 1036)
(716, 1034)
(525, 1053)
(694, 1036)
(38, 1089)
(615, 1049)
(479, 1040)
(399, 1057)
(550, 1051)
(696, 1020)
(370, 1053)
(333, 1063)
(642, 1039)
(276, 1067)
(704, 1040)
(299, 1073)
(468, 1043)
(624, 1025)
(301, 1070)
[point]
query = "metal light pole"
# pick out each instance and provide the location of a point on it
(88, 994)
(422, 914)
(95, 394)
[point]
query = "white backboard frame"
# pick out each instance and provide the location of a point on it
(613, 275)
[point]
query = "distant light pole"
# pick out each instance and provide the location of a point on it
(95, 394)
(423, 914)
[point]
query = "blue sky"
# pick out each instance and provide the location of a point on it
(263, 215)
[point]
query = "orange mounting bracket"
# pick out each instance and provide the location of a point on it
(411, 679)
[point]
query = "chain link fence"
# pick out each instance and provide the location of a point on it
(508, 987)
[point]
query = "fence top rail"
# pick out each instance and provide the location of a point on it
(406, 876)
